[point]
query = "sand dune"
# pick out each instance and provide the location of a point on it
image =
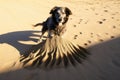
(94, 25)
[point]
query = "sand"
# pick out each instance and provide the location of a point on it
(94, 25)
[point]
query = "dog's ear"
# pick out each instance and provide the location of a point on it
(53, 10)
(68, 11)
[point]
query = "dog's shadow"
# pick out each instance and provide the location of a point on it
(14, 38)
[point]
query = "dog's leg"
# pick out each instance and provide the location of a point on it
(38, 24)
(49, 34)
(43, 32)
(63, 32)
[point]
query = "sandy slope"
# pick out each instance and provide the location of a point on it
(94, 25)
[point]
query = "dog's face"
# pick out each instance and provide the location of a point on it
(61, 14)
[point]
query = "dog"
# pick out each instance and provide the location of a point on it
(56, 23)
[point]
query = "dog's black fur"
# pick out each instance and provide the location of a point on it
(56, 23)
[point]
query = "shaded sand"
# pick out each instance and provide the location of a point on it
(94, 25)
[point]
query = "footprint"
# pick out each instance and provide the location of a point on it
(101, 40)
(105, 10)
(112, 37)
(80, 21)
(74, 25)
(117, 20)
(91, 35)
(114, 26)
(100, 22)
(75, 36)
(112, 17)
(86, 22)
(89, 41)
(103, 19)
(80, 32)
(85, 44)
(106, 33)
(96, 14)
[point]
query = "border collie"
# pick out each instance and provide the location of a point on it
(56, 23)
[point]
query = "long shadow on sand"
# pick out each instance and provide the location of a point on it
(104, 64)
(14, 38)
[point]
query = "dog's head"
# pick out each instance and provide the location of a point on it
(60, 14)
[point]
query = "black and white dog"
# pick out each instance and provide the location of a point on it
(56, 23)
